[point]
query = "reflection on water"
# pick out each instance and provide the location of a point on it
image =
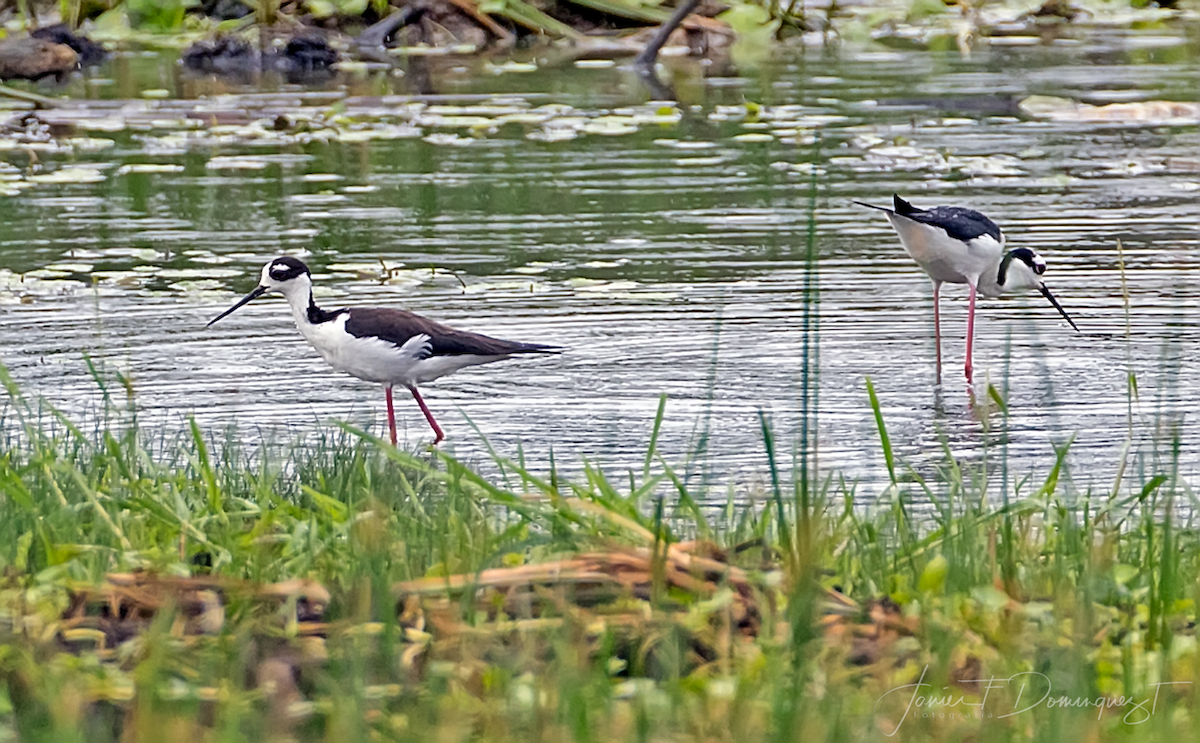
(667, 259)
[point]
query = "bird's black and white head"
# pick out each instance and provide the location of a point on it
(286, 275)
(1022, 268)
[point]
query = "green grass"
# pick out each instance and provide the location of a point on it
(1093, 591)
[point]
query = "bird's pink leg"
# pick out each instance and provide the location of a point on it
(437, 430)
(937, 328)
(970, 329)
(391, 414)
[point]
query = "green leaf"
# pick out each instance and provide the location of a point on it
(755, 32)
(632, 9)
(991, 597)
(327, 8)
(321, 8)
(336, 510)
(933, 577)
(884, 441)
(162, 16)
(750, 22)
(1123, 573)
(530, 17)
(926, 9)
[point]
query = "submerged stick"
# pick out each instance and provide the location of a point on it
(646, 58)
(38, 101)
(378, 34)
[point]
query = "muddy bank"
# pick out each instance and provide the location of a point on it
(227, 37)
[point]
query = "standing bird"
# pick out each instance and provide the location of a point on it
(381, 345)
(962, 246)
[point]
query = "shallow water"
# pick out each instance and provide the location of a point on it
(665, 268)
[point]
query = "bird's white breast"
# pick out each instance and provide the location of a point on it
(371, 359)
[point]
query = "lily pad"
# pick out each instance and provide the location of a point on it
(70, 174)
(593, 285)
(200, 285)
(199, 273)
(753, 137)
(693, 162)
(686, 144)
(513, 66)
(89, 144)
(555, 134)
(610, 126)
(222, 162)
(447, 138)
(149, 168)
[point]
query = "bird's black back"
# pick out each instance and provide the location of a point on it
(398, 326)
(959, 223)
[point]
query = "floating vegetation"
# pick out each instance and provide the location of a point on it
(176, 127)
(69, 174)
(149, 168)
(226, 162)
(753, 137)
(26, 288)
(1140, 113)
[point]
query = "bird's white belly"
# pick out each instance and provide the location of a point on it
(943, 257)
(370, 359)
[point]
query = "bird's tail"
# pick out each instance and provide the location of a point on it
(901, 207)
(536, 348)
(872, 206)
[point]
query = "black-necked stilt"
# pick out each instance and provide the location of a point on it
(381, 345)
(962, 246)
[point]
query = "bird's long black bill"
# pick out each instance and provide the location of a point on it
(1045, 293)
(261, 290)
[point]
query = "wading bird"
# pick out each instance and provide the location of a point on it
(375, 344)
(961, 246)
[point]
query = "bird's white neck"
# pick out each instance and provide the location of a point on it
(989, 284)
(299, 297)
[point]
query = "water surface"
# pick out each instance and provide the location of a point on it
(668, 260)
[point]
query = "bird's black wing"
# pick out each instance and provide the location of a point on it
(959, 223)
(398, 326)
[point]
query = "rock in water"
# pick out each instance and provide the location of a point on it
(224, 55)
(90, 53)
(305, 54)
(32, 59)
(225, 10)
(301, 56)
